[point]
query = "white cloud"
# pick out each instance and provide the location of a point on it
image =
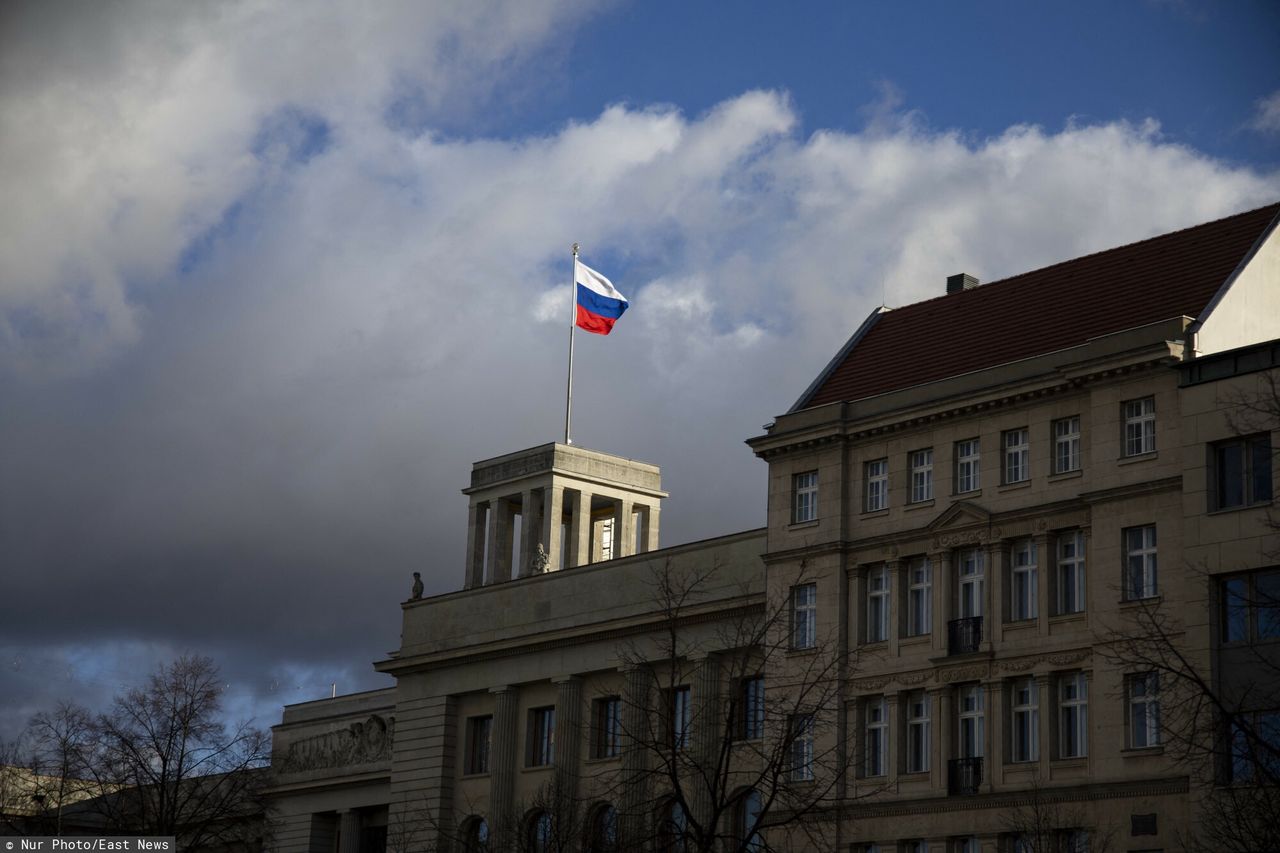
(1266, 115)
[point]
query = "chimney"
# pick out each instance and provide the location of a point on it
(961, 281)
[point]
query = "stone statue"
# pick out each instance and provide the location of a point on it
(538, 562)
(417, 587)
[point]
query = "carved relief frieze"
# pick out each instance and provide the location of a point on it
(362, 742)
(963, 673)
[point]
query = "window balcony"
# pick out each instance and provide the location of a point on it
(964, 775)
(964, 635)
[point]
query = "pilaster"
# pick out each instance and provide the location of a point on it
(943, 598)
(530, 529)
(503, 761)
(633, 813)
(552, 522)
(477, 514)
(500, 523)
(349, 831)
(1044, 586)
(568, 737)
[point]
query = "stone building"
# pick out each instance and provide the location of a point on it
(975, 512)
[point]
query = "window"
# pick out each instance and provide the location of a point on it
(966, 845)
(972, 734)
(1024, 601)
(475, 836)
(919, 597)
(877, 604)
(876, 737)
(1017, 456)
(542, 737)
(801, 751)
(752, 727)
(877, 477)
(1240, 472)
(1251, 607)
(479, 738)
(538, 834)
(804, 497)
(1144, 710)
(747, 813)
(602, 836)
(967, 467)
(679, 713)
(1075, 841)
(1066, 445)
(1255, 747)
(1140, 426)
(606, 726)
(1073, 723)
(917, 732)
(969, 566)
(922, 475)
(1140, 562)
(1026, 720)
(804, 616)
(1071, 572)
(673, 828)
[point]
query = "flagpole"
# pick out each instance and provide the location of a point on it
(573, 322)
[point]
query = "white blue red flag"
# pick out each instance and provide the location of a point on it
(599, 302)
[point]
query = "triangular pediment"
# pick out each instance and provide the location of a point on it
(960, 514)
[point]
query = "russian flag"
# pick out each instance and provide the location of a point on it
(599, 302)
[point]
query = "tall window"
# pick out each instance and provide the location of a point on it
(1255, 747)
(969, 567)
(876, 735)
(877, 604)
(1240, 472)
(475, 836)
(804, 497)
(479, 737)
(673, 828)
(804, 616)
(679, 713)
(969, 844)
(1025, 595)
(1026, 720)
(1140, 562)
(542, 737)
(538, 832)
(606, 719)
(919, 596)
(1071, 572)
(1017, 456)
(603, 836)
(747, 813)
(1073, 723)
(971, 718)
(917, 732)
(801, 747)
(752, 727)
(877, 477)
(1144, 710)
(1251, 607)
(922, 475)
(967, 466)
(1066, 445)
(1140, 426)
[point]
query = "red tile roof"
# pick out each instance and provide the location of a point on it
(1045, 310)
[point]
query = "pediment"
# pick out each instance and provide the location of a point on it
(959, 515)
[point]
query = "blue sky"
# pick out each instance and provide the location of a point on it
(273, 275)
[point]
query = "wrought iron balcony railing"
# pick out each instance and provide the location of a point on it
(964, 635)
(964, 775)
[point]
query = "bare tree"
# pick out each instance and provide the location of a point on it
(62, 742)
(1046, 824)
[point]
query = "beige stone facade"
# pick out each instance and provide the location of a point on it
(968, 553)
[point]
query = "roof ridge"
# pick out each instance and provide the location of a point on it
(1275, 206)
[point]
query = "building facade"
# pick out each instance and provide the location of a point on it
(1008, 530)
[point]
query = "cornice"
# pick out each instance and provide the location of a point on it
(1133, 490)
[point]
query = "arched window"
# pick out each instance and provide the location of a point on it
(538, 833)
(475, 835)
(602, 830)
(748, 816)
(673, 828)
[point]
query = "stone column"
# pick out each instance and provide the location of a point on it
(942, 724)
(652, 515)
(943, 608)
(477, 514)
(893, 569)
(896, 735)
(992, 734)
(500, 541)
(633, 811)
(503, 760)
(707, 733)
(1045, 566)
(1044, 685)
(996, 585)
(552, 519)
(568, 738)
(349, 831)
(580, 530)
(530, 529)
(624, 533)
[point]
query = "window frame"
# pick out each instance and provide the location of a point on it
(751, 720)
(919, 732)
(1024, 581)
(1015, 455)
(804, 497)
(919, 596)
(1144, 583)
(1256, 608)
(804, 616)
(800, 754)
(879, 600)
(1066, 444)
(679, 717)
(540, 750)
(875, 494)
(1149, 701)
(479, 744)
(1071, 574)
(1024, 721)
(1252, 447)
(968, 466)
(875, 737)
(975, 716)
(1073, 715)
(920, 463)
(1139, 418)
(606, 727)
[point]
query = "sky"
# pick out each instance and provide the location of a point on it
(272, 276)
